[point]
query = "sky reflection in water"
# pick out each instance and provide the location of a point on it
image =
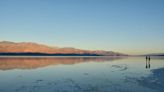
(81, 74)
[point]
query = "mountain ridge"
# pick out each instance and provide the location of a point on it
(31, 47)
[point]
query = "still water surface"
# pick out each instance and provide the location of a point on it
(81, 74)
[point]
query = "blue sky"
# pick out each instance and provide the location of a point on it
(128, 26)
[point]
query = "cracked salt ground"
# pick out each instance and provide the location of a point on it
(120, 67)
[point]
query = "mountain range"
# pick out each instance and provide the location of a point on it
(30, 48)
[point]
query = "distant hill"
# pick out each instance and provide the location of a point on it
(30, 48)
(155, 54)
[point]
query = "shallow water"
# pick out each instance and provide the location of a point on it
(81, 74)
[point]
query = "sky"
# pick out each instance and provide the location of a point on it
(127, 26)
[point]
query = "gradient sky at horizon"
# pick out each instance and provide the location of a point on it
(127, 26)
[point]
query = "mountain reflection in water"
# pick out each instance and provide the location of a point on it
(8, 63)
